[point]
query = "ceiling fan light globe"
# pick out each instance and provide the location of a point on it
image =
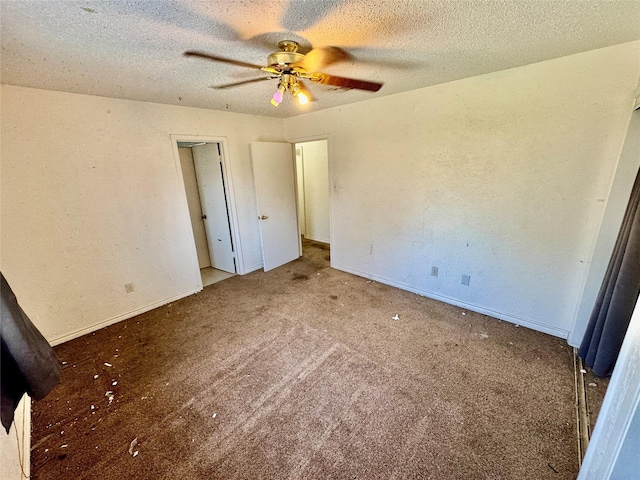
(302, 99)
(277, 98)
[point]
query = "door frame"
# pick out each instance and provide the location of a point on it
(229, 193)
(313, 138)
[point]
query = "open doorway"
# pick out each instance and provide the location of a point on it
(206, 188)
(314, 212)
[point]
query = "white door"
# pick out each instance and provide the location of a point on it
(195, 209)
(273, 174)
(208, 164)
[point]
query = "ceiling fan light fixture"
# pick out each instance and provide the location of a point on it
(298, 92)
(277, 96)
(302, 98)
(291, 67)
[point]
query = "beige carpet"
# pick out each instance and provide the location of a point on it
(303, 373)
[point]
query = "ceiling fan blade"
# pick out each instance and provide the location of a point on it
(319, 58)
(206, 56)
(237, 84)
(344, 82)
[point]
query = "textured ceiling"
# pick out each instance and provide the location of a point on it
(133, 49)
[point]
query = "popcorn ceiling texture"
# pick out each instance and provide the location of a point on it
(133, 49)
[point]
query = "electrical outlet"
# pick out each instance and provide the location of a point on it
(434, 271)
(129, 287)
(466, 279)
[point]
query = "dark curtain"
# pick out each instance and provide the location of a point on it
(28, 361)
(618, 295)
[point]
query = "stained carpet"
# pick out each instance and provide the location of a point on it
(302, 372)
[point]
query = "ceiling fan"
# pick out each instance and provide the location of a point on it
(291, 66)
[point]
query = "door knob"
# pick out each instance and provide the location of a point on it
(263, 217)
(204, 217)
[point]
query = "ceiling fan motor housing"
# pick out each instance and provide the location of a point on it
(284, 58)
(287, 55)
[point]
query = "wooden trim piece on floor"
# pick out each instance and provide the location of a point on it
(582, 412)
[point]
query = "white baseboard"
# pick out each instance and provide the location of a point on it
(119, 318)
(251, 269)
(556, 332)
(316, 239)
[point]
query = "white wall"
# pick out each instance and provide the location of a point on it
(15, 447)
(502, 177)
(315, 169)
(92, 199)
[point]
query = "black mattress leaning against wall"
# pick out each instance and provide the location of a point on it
(29, 364)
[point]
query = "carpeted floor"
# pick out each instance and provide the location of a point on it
(302, 372)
